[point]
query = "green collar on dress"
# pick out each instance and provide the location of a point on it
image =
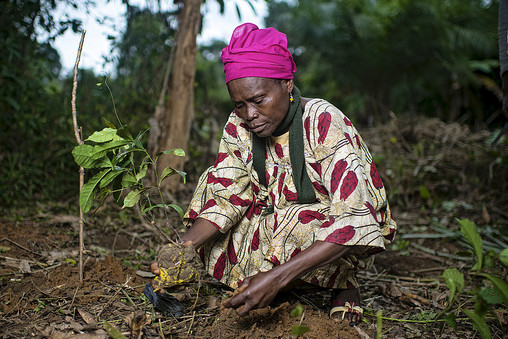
(293, 120)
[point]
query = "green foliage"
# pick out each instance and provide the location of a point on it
(297, 311)
(454, 280)
(468, 229)
(298, 330)
(503, 256)
(123, 162)
(143, 51)
(486, 295)
(36, 134)
(372, 57)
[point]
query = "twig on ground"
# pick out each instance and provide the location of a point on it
(192, 322)
(197, 294)
(112, 298)
(305, 300)
(438, 253)
(362, 333)
(161, 332)
(27, 260)
(390, 278)
(128, 297)
(20, 246)
(74, 296)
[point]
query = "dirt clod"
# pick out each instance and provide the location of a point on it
(178, 265)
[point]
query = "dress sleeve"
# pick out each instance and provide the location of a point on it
(224, 192)
(346, 174)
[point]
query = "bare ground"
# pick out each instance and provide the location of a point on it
(42, 295)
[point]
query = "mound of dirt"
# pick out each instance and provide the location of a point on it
(277, 323)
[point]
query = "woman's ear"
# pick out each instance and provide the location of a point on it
(289, 84)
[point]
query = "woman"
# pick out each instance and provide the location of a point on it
(293, 195)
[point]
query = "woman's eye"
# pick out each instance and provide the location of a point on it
(258, 101)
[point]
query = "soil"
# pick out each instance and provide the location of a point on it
(43, 297)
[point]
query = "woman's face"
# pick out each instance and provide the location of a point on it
(261, 102)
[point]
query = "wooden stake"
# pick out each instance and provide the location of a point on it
(77, 133)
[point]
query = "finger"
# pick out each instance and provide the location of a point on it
(233, 302)
(154, 268)
(243, 310)
(237, 298)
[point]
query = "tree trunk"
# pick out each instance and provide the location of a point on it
(175, 123)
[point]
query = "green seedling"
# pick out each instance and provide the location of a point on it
(492, 292)
(298, 330)
(122, 166)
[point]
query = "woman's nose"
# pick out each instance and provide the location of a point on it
(252, 113)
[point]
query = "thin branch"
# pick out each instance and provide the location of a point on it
(80, 142)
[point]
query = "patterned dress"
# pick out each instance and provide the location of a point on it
(261, 227)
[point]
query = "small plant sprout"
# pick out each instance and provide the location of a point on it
(492, 292)
(298, 330)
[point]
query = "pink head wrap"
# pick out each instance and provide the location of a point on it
(254, 52)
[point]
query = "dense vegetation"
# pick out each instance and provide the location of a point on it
(429, 57)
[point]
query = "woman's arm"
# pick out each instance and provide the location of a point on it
(200, 232)
(259, 290)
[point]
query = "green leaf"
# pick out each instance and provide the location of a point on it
(108, 123)
(85, 157)
(109, 146)
(468, 229)
(110, 177)
(103, 193)
(107, 134)
(503, 256)
(177, 208)
(491, 295)
(299, 330)
(450, 320)
(167, 172)
(479, 324)
(88, 156)
(164, 206)
(142, 173)
(149, 208)
(113, 332)
(121, 155)
(128, 180)
(183, 175)
(500, 284)
(297, 311)
(125, 133)
(454, 280)
(88, 190)
(132, 198)
(176, 151)
(424, 192)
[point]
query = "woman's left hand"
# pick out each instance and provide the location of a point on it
(259, 290)
(256, 291)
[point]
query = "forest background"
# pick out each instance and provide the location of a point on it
(370, 58)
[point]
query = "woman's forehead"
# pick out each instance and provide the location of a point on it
(251, 86)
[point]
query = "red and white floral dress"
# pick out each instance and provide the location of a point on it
(263, 227)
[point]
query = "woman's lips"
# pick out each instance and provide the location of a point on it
(258, 128)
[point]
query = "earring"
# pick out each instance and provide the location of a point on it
(291, 97)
